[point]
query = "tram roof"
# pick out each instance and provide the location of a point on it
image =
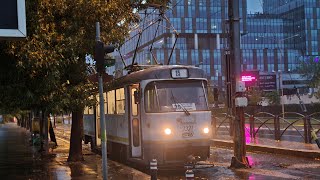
(155, 72)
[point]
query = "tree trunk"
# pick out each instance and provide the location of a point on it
(44, 132)
(75, 151)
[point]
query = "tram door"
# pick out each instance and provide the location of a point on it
(135, 122)
(98, 131)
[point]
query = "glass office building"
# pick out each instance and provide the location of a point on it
(276, 39)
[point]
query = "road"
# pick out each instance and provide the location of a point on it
(263, 165)
(19, 160)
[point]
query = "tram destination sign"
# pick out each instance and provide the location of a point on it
(12, 19)
(268, 82)
(179, 73)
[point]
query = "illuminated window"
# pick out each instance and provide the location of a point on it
(120, 101)
(111, 102)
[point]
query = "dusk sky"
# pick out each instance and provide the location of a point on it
(254, 6)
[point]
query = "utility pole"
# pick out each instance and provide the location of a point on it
(102, 121)
(236, 94)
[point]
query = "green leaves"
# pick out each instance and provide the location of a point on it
(254, 95)
(60, 34)
(311, 69)
(273, 97)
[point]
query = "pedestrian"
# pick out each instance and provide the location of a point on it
(52, 135)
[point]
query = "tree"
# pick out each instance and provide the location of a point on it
(52, 57)
(310, 68)
(254, 96)
(12, 84)
(273, 97)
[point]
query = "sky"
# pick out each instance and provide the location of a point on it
(254, 6)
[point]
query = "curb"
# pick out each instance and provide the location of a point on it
(270, 149)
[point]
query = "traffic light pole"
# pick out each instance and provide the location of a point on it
(102, 117)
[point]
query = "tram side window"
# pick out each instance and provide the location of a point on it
(151, 102)
(120, 101)
(111, 102)
(105, 102)
(97, 105)
(91, 110)
(86, 110)
(134, 108)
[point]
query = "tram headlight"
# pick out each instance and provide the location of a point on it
(167, 131)
(206, 130)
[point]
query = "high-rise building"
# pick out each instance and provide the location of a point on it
(274, 40)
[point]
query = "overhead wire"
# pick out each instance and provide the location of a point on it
(151, 22)
(155, 20)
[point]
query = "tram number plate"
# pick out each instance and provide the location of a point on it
(187, 131)
(179, 73)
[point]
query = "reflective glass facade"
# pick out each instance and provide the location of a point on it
(277, 39)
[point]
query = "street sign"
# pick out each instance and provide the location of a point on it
(12, 19)
(250, 78)
(268, 82)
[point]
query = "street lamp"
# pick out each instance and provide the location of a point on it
(280, 72)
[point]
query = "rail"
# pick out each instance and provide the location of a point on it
(288, 126)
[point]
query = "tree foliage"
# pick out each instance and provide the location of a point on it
(60, 34)
(12, 88)
(273, 97)
(50, 62)
(310, 68)
(254, 96)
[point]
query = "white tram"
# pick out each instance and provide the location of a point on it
(160, 112)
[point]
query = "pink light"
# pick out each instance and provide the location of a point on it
(247, 134)
(247, 78)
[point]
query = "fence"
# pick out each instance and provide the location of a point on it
(290, 125)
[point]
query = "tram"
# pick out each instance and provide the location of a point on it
(158, 113)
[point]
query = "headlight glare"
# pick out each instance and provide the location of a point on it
(206, 130)
(167, 131)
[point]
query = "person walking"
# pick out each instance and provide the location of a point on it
(52, 135)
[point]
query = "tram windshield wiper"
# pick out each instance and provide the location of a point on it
(183, 108)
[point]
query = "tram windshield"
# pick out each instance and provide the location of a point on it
(172, 96)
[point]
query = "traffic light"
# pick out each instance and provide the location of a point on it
(99, 52)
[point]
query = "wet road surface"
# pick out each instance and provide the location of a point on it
(263, 166)
(19, 160)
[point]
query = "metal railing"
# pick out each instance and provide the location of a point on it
(290, 125)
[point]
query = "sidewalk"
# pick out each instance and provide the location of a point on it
(300, 149)
(20, 160)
